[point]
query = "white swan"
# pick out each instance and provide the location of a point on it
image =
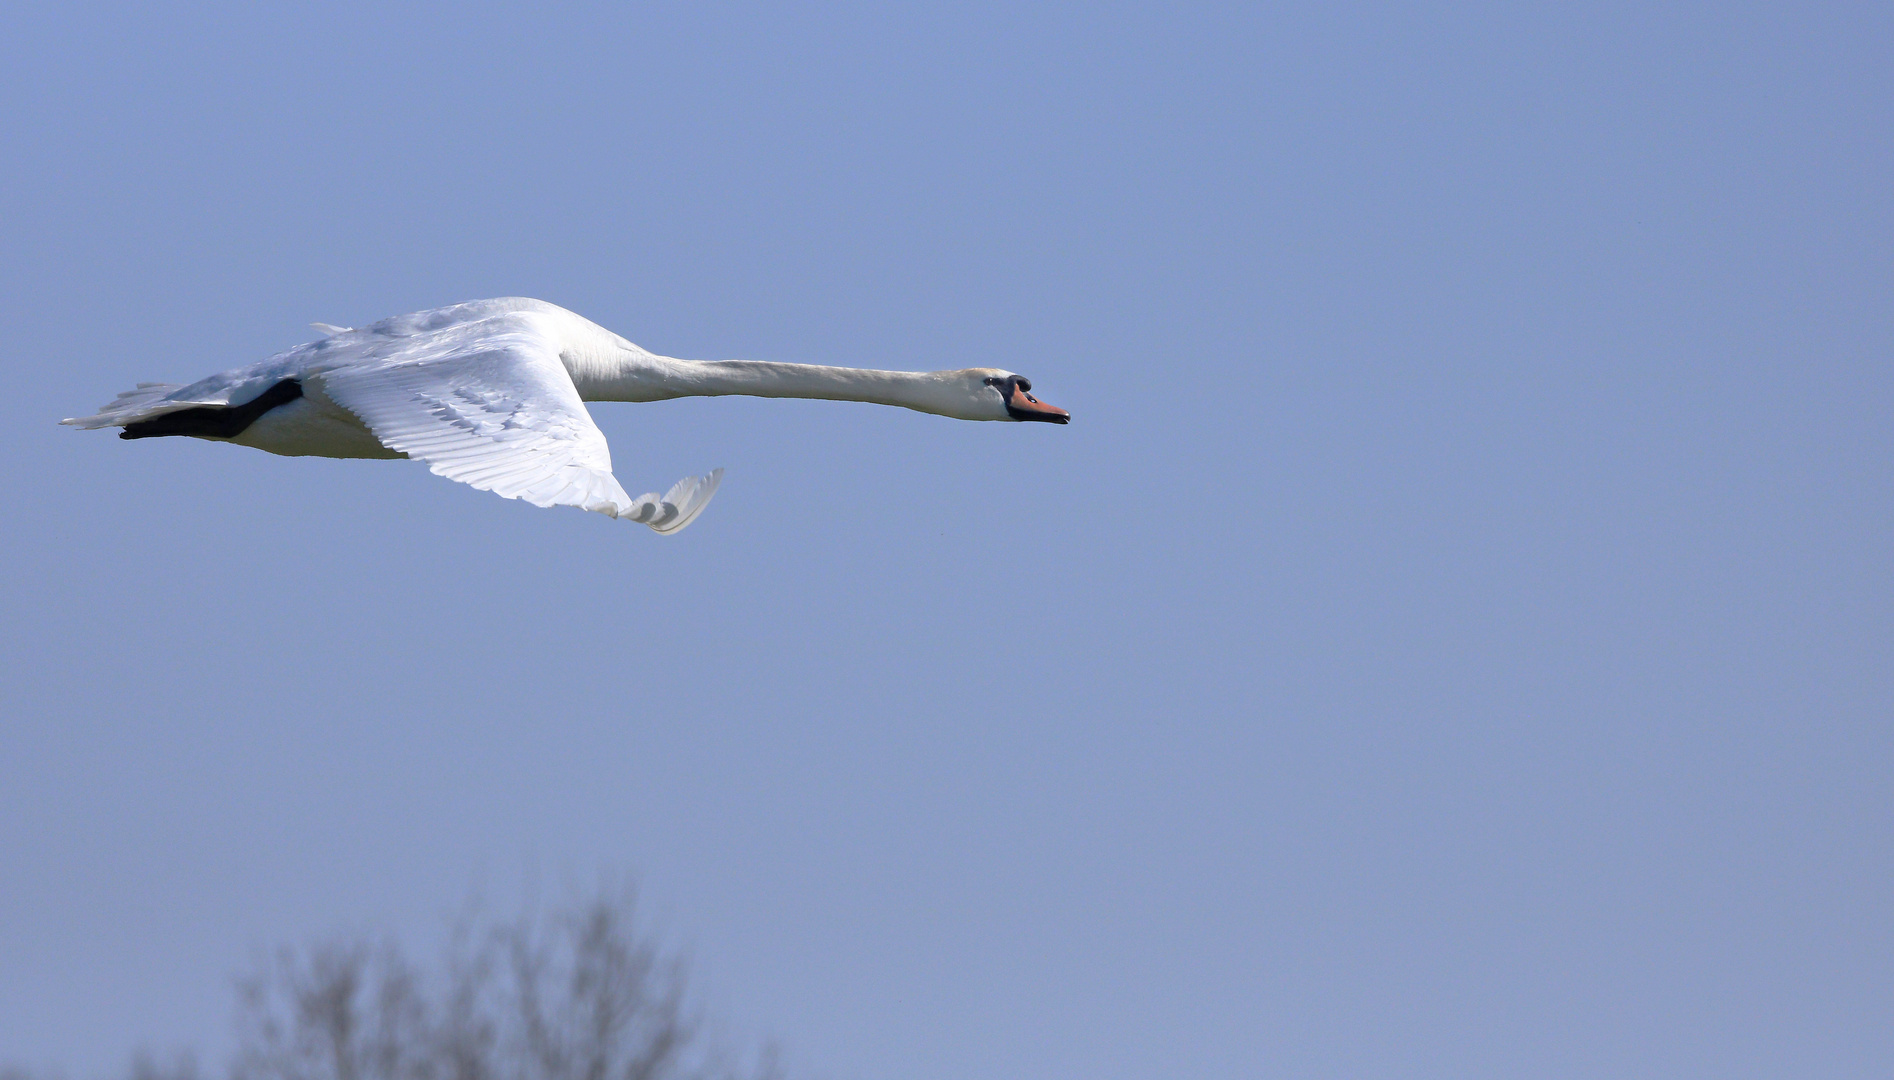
(491, 393)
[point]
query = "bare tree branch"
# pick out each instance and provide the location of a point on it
(576, 996)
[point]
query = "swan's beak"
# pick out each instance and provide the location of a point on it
(1023, 406)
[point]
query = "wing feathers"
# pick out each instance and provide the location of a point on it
(678, 507)
(505, 418)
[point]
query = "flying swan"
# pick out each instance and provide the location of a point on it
(491, 393)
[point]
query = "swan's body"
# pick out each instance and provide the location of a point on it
(491, 393)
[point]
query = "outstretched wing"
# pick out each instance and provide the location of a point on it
(500, 413)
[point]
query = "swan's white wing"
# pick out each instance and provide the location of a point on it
(500, 413)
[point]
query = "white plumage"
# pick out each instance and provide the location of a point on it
(492, 394)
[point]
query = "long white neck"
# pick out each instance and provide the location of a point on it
(648, 377)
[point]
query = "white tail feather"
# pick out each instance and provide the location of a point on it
(129, 406)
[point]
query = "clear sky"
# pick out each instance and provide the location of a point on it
(1451, 639)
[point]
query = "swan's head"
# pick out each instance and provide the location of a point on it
(1002, 395)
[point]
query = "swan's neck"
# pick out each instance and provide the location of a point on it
(648, 377)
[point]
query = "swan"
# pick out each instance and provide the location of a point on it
(492, 393)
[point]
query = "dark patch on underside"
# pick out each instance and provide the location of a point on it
(215, 421)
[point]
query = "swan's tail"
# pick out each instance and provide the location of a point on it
(677, 507)
(133, 405)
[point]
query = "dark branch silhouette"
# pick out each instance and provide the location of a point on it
(577, 995)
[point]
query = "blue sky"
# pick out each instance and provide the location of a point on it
(1452, 637)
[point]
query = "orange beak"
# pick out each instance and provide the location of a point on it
(1023, 406)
